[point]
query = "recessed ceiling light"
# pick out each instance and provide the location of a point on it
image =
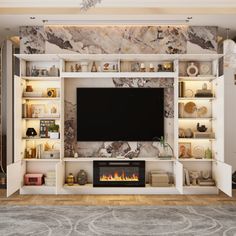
(189, 18)
(32, 18)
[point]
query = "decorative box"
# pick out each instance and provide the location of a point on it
(203, 135)
(33, 179)
(50, 154)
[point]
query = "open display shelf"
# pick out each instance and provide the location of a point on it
(220, 171)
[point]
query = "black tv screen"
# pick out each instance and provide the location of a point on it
(120, 114)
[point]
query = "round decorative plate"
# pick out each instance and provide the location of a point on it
(189, 93)
(190, 107)
(205, 69)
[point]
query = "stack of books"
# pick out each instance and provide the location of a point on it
(50, 179)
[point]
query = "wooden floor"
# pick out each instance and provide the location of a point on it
(113, 200)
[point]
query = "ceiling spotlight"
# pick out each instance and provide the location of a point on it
(32, 18)
(189, 18)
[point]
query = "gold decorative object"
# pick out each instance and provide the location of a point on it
(168, 66)
(70, 179)
(51, 92)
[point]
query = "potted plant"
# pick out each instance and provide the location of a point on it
(53, 131)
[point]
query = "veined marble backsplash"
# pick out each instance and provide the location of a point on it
(118, 39)
(113, 149)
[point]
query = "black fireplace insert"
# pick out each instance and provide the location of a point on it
(119, 173)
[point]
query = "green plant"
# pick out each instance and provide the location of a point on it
(53, 128)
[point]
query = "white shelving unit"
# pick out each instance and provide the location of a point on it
(221, 172)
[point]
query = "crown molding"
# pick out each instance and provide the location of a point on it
(121, 3)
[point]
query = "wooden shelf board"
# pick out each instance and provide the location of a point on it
(42, 98)
(195, 160)
(113, 57)
(196, 98)
(118, 74)
(197, 139)
(197, 78)
(41, 160)
(41, 139)
(199, 187)
(86, 159)
(38, 78)
(42, 118)
(198, 118)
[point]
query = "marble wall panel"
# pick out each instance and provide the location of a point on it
(118, 39)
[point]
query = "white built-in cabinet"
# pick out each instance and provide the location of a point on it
(220, 171)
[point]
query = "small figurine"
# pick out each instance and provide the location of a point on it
(77, 67)
(151, 68)
(142, 67)
(72, 68)
(201, 128)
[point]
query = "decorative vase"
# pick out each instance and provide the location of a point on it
(208, 154)
(94, 67)
(84, 66)
(70, 179)
(53, 71)
(192, 70)
(82, 177)
(31, 132)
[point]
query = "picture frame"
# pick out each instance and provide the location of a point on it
(185, 150)
(38, 110)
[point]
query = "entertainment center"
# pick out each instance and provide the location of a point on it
(187, 112)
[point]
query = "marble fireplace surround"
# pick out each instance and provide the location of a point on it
(117, 40)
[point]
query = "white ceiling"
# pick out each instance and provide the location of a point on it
(16, 13)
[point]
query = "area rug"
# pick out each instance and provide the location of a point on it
(117, 220)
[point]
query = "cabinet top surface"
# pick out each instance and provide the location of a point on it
(134, 57)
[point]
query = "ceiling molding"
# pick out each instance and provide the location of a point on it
(117, 11)
(121, 3)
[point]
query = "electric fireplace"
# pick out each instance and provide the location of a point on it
(119, 173)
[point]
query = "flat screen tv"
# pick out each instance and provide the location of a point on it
(120, 114)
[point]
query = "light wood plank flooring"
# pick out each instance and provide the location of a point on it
(113, 200)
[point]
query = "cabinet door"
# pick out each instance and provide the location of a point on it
(18, 152)
(178, 169)
(14, 173)
(222, 173)
(218, 123)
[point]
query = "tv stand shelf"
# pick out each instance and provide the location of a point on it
(220, 171)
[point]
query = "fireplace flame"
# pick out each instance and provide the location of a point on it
(116, 177)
